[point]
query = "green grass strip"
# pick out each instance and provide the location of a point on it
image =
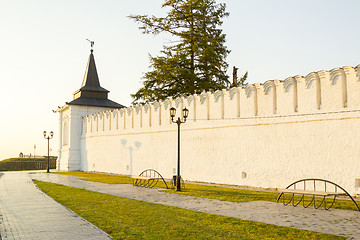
(99, 177)
(131, 219)
(212, 192)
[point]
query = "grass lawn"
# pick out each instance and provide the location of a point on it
(99, 177)
(206, 191)
(131, 219)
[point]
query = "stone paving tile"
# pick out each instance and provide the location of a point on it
(334, 221)
(28, 213)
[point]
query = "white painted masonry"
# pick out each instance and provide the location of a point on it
(70, 125)
(265, 135)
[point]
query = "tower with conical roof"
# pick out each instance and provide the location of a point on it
(89, 99)
(91, 93)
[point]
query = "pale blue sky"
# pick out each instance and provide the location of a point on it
(43, 52)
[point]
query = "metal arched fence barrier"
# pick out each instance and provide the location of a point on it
(314, 187)
(148, 178)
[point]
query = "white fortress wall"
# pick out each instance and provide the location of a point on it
(264, 135)
(70, 125)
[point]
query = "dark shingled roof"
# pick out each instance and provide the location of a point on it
(91, 93)
(91, 78)
(98, 102)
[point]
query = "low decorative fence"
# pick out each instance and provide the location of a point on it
(27, 164)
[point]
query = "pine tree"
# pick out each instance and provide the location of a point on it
(196, 60)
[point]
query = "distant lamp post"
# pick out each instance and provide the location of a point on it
(34, 150)
(48, 138)
(178, 122)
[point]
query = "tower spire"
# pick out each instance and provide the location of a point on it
(91, 93)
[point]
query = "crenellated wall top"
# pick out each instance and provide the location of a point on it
(334, 89)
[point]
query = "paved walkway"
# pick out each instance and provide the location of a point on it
(338, 222)
(28, 213)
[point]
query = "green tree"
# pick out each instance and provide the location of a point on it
(195, 61)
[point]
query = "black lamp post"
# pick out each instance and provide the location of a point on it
(178, 122)
(48, 138)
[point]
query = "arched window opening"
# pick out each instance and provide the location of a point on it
(66, 133)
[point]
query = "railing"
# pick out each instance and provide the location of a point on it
(19, 165)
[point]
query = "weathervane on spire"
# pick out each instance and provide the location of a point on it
(91, 44)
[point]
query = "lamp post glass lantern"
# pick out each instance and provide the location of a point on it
(48, 158)
(178, 122)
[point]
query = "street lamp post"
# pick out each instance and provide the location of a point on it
(178, 122)
(48, 138)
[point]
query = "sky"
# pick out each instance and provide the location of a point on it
(43, 52)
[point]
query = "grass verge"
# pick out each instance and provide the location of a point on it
(208, 191)
(99, 177)
(131, 219)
